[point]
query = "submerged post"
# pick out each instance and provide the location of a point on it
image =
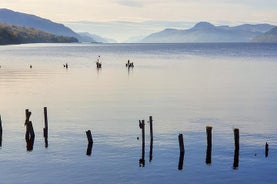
(142, 127)
(266, 149)
(236, 152)
(209, 145)
(90, 142)
(151, 138)
(1, 131)
(45, 129)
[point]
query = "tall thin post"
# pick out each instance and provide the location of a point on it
(181, 143)
(182, 151)
(151, 138)
(1, 131)
(236, 138)
(142, 127)
(45, 129)
(236, 152)
(90, 142)
(209, 145)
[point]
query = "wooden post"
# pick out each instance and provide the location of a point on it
(209, 145)
(89, 136)
(45, 129)
(151, 139)
(182, 151)
(90, 142)
(181, 143)
(236, 137)
(30, 134)
(142, 127)
(266, 149)
(236, 152)
(1, 131)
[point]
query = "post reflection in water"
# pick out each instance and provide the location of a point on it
(181, 161)
(89, 149)
(236, 159)
(142, 127)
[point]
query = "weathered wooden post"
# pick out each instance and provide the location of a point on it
(1, 131)
(45, 129)
(142, 127)
(236, 137)
(236, 152)
(266, 149)
(181, 143)
(209, 145)
(30, 134)
(90, 142)
(182, 151)
(151, 139)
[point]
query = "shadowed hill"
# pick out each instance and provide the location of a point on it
(11, 34)
(27, 20)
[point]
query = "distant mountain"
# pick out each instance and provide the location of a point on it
(207, 32)
(11, 34)
(270, 36)
(96, 38)
(22, 19)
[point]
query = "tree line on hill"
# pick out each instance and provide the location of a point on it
(12, 34)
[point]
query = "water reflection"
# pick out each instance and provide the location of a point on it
(142, 159)
(236, 159)
(89, 149)
(181, 161)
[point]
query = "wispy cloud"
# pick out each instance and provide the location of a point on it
(131, 3)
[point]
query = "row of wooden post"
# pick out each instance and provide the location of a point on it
(30, 137)
(209, 148)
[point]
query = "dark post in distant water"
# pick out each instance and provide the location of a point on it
(266, 149)
(1, 131)
(209, 145)
(90, 142)
(182, 151)
(142, 127)
(236, 153)
(30, 134)
(45, 129)
(151, 138)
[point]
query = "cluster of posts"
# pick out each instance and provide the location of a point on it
(142, 127)
(182, 147)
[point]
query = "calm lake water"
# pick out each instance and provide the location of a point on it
(185, 87)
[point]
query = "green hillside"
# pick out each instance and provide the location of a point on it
(11, 34)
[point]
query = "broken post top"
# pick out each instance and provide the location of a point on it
(28, 115)
(141, 124)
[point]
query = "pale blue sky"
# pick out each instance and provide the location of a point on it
(232, 12)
